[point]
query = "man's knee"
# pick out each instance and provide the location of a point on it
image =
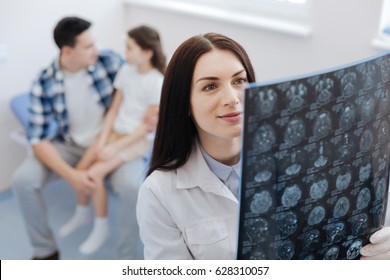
(29, 175)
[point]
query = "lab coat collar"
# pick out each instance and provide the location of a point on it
(196, 173)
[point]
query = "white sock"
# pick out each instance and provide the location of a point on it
(99, 234)
(80, 217)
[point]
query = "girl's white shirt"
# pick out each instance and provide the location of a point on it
(139, 91)
(187, 213)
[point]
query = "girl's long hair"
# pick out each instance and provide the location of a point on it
(149, 39)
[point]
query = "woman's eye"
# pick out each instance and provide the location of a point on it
(241, 81)
(209, 87)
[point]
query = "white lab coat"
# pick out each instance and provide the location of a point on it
(187, 213)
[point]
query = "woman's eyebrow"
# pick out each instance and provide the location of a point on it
(216, 78)
(207, 78)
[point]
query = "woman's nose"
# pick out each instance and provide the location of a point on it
(231, 96)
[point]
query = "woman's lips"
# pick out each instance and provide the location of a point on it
(231, 117)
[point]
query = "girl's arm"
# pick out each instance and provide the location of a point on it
(110, 118)
(148, 125)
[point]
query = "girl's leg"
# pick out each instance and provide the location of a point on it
(80, 217)
(88, 157)
(101, 228)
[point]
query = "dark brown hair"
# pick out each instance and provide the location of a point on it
(67, 29)
(149, 39)
(176, 130)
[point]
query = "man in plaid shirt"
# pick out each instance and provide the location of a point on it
(74, 91)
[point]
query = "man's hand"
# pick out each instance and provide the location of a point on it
(96, 173)
(81, 182)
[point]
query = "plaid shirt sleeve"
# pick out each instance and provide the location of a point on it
(40, 112)
(109, 63)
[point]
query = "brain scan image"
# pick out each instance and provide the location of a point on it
(347, 117)
(310, 239)
(368, 75)
(344, 178)
(257, 254)
(380, 189)
(287, 222)
(319, 187)
(365, 171)
(263, 176)
(346, 147)
(348, 84)
(359, 224)
(366, 140)
(285, 250)
(341, 207)
(264, 169)
(335, 232)
(321, 157)
(382, 162)
(261, 202)
(316, 215)
(384, 101)
(367, 109)
(291, 196)
(385, 69)
(354, 249)
(324, 89)
(322, 125)
(293, 164)
(264, 138)
(256, 230)
(296, 95)
(383, 131)
(377, 213)
(332, 253)
(294, 132)
(363, 198)
(266, 100)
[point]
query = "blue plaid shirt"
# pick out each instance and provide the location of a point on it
(47, 97)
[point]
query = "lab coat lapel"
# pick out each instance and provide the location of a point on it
(196, 173)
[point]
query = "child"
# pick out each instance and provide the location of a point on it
(126, 132)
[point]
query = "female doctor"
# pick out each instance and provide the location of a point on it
(187, 207)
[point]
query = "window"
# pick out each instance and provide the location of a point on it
(287, 16)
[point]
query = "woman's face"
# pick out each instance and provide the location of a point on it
(216, 93)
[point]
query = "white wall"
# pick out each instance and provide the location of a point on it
(26, 30)
(342, 32)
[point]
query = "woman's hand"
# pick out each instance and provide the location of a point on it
(379, 248)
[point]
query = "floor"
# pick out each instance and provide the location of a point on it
(14, 243)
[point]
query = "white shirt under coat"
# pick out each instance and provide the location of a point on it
(187, 213)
